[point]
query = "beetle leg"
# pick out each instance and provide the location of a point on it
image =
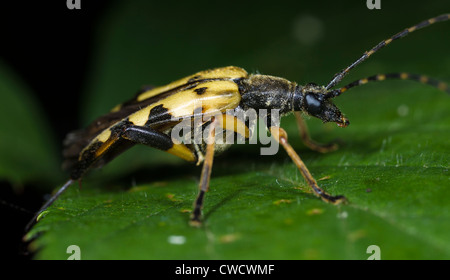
(153, 138)
(206, 174)
(313, 145)
(47, 204)
(280, 135)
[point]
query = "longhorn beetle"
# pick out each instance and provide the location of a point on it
(153, 113)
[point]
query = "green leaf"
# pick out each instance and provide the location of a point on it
(392, 164)
(27, 150)
(395, 177)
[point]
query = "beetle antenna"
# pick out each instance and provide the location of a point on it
(48, 203)
(381, 77)
(339, 76)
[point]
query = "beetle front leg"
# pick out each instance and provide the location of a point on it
(313, 145)
(280, 135)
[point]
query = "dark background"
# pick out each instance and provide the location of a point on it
(52, 49)
(49, 47)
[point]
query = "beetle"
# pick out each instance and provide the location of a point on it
(150, 117)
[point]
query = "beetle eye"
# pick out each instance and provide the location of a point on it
(313, 105)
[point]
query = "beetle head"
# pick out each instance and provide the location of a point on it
(315, 101)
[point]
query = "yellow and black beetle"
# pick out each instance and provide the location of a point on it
(154, 112)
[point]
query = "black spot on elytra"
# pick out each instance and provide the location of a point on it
(158, 114)
(201, 90)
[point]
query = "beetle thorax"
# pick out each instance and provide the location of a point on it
(267, 92)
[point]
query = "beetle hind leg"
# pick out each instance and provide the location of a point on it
(153, 138)
(313, 145)
(47, 204)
